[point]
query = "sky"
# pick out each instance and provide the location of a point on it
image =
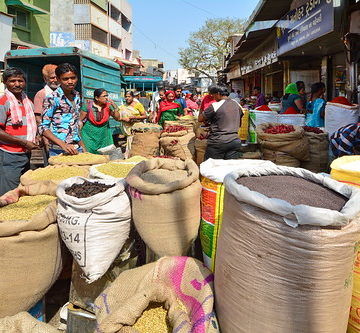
(161, 27)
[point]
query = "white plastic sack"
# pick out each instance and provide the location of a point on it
(300, 214)
(261, 117)
(216, 170)
(291, 119)
(339, 115)
(94, 229)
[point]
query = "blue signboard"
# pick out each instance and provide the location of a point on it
(301, 25)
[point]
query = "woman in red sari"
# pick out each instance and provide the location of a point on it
(169, 110)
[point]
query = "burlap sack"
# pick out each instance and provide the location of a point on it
(30, 260)
(178, 144)
(145, 144)
(294, 144)
(200, 149)
(280, 158)
(24, 323)
(167, 216)
(27, 177)
(190, 124)
(183, 284)
(271, 277)
(92, 159)
(318, 151)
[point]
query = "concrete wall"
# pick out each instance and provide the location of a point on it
(63, 9)
(5, 33)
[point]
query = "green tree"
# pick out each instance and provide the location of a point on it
(208, 46)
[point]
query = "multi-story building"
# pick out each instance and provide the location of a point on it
(31, 22)
(99, 26)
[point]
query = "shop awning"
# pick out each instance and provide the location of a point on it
(27, 6)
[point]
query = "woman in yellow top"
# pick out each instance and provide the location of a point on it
(130, 113)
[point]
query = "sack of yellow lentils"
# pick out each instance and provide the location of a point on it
(30, 260)
(79, 159)
(54, 173)
(174, 294)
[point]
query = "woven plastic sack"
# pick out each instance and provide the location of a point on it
(28, 177)
(30, 260)
(275, 261)
(94, 229)
(183, 284)
(346, 169)
(339, 115)
(167, 216)
(244, 128)
(318, 151)
(257, 118)
(291, 119)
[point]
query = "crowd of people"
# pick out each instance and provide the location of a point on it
(61, 123)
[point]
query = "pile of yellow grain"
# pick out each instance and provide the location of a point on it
(117, 170)
(25, 208)
(82, 158)
(153, 320)
(136, 159)
(58, 173)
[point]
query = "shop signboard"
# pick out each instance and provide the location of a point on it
(301, 25)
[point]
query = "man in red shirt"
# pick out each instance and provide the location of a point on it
(17, 130)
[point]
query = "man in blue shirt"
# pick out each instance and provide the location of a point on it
(346, 140)
(181, 100)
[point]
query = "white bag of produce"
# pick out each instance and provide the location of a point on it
(339, 115)
(95, 228)
(291, 119)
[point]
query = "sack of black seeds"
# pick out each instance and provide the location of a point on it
(285, 252)
(94, 221)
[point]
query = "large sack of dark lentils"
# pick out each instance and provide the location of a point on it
(94, 221)
(174, 294)
(177, 141)
(30, 254)
(165, 195)
(318, 150)
(283, 144)
(285, 252)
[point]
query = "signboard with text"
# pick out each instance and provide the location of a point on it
(301, 25)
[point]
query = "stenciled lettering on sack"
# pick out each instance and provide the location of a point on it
(71, 220)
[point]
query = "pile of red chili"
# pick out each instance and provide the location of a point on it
(263, 108)
(175, 128)
(280, 129)
(341, 100)
(315, 130)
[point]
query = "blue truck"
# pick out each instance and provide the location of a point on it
(93, 71)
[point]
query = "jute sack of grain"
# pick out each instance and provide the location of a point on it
(213, 173)
(24, 323)
(165, 195)
(294, 144)
(318, 151)
(178, 144)
(30, 260)
(95, 228)
(200, 149)
(145, 144)
(79, 159)
(190, 124)
(280, 158)
(183, 284)
(275, 260)
(54, 173)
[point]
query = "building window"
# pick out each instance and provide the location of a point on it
(125, 22)
(115, 43)
(21, 18)
(115, 13)
(127, 54)
(99, 35)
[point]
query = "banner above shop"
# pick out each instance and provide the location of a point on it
(301, 25)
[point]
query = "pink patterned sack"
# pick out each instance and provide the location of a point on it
(183, 284)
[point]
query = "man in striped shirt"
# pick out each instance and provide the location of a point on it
(346, 140)
(17, 130)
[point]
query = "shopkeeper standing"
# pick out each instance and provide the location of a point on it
(224, 119)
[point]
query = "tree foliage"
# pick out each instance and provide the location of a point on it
(208, 46)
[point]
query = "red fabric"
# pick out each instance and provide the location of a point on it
(166, 105)
(104, 114)
(291, 110)
(206, 102)
(263, 108)
(341, 100)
